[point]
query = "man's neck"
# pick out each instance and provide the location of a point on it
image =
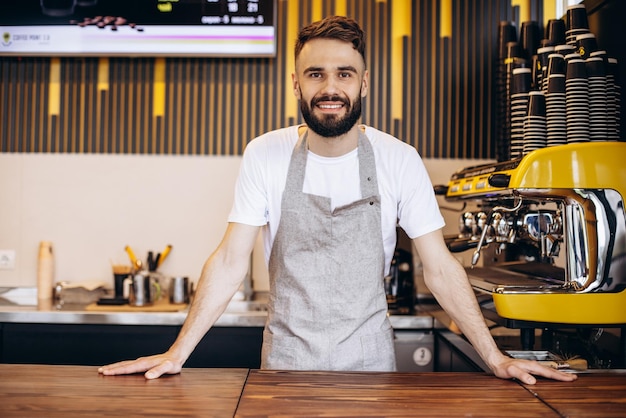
(335, 146)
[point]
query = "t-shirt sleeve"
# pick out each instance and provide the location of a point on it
(418, 210)
(250, 205)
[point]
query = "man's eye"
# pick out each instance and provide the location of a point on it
(315, 75)
(344, 75)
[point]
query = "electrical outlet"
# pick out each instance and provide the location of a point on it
(7, 259)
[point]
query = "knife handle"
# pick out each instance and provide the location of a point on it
(131, 255)
(164, 255)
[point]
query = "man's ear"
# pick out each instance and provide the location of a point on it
(296, 86)
(365, 83)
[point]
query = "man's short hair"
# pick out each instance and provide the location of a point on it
(333, 27)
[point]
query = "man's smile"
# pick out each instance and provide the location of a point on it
(330, 106)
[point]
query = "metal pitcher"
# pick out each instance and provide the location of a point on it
(145, 289)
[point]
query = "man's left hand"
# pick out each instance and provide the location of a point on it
(526, 370)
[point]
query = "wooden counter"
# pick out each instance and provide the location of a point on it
(429, 395)
(80, 391)
(72, 391)
(386, 395)
(593, 395)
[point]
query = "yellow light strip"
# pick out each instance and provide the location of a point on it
(341, 8)
(316, 10)
(549, 12)
(158, 103)
(103, 74)
(445, 22)
(291, 103)
(401, 18)
(524, 9)
(54, 87)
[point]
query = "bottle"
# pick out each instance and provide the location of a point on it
(45, 271)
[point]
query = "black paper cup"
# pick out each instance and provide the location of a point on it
(564, 49)
(577, 17)
(556, 83)
(603, 55)
(506, 33)
(536, 104)
(555, 31)
(537, 74)
(572, 56)
(544, 43)
(529, 38)
(543, 54)
(595, 67)
(586, 44)
(542, 66)
(513, 50)
(522, 80)
(556, 64)
(576, 69)
(613, 69)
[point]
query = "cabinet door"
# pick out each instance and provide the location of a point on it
(88, 345)
(453, 354)
(94, 345)
(229, 347)
(414, 351)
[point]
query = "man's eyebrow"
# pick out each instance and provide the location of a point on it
(313, 69)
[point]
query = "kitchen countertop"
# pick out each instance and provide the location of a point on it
(73, 391)
(237, 314)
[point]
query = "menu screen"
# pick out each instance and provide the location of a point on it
(138, 27)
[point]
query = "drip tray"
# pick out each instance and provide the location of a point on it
(517, 278)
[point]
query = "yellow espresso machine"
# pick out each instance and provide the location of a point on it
(549, 237)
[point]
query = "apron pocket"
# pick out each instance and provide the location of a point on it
(278, 352)
(378, 352)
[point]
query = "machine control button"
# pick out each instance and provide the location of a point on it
(499, 180)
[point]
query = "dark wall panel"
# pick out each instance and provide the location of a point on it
(215, 106)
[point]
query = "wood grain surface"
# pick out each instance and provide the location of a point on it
(79, 391)
(290, 394)
(592, 395)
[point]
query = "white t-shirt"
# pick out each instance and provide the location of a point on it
(407, 196)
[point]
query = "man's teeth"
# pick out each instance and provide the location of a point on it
(333, 106)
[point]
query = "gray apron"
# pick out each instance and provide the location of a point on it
(327, 307)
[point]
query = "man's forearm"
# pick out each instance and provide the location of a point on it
(217, 285)
(455, 295)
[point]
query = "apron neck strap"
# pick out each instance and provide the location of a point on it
(367, 165)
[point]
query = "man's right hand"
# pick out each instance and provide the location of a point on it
(153, 366)
(222, 275)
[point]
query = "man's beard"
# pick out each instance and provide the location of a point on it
(331, 126)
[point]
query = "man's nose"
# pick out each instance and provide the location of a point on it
(331, 86)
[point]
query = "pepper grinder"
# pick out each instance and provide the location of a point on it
(45, 273)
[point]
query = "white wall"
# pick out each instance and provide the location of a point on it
(92, 206)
